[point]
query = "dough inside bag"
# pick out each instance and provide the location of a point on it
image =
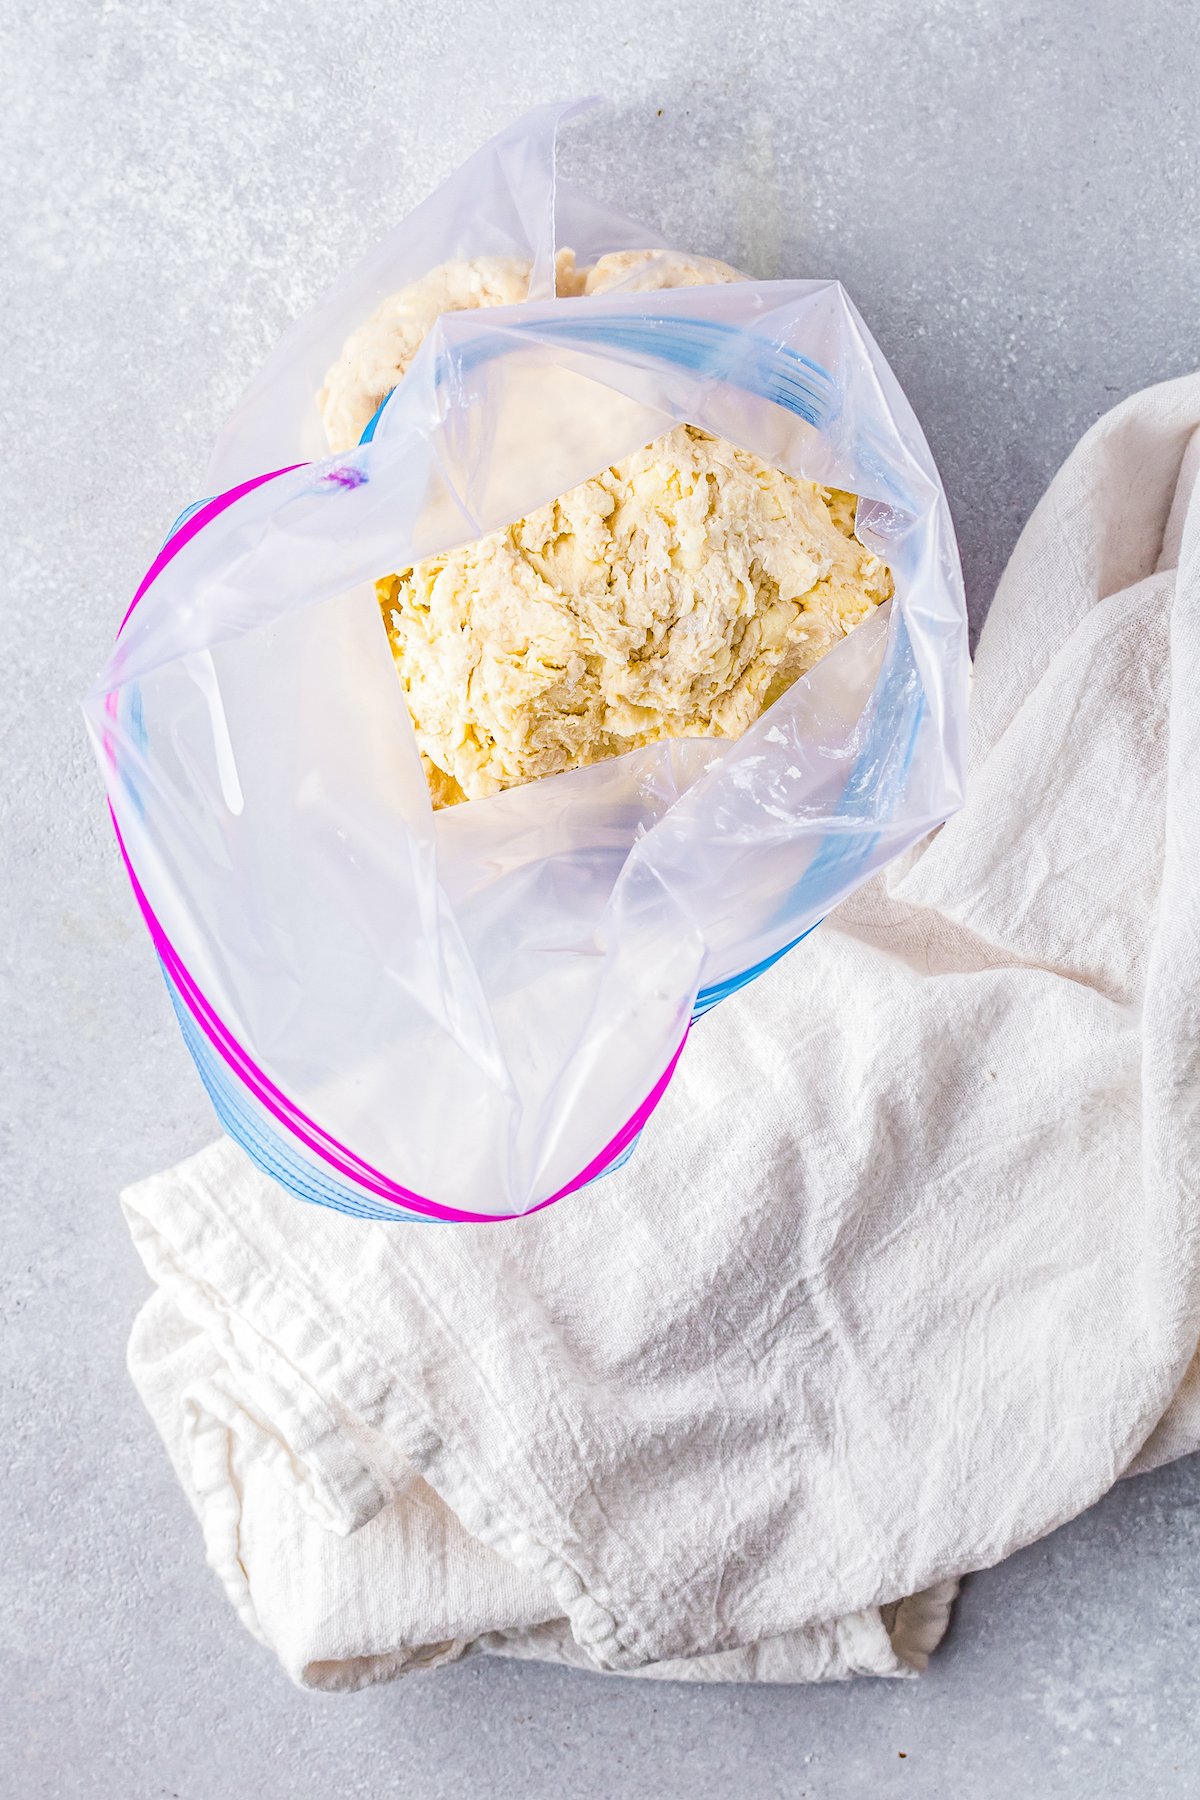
(677, 593)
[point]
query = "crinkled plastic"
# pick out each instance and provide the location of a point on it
(468, 1014)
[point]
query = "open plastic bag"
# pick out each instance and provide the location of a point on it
(468, 1014)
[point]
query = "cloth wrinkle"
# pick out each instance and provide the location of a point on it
(904, 1273)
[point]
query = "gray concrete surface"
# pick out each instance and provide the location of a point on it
(1009, 192)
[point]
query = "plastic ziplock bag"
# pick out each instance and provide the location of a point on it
(471, 1013)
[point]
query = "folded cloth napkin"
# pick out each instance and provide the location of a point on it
(904, 1273)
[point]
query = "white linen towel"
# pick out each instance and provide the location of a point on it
(904, 1273)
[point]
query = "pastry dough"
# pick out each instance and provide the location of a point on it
(376, 356)
(644, 271)
(677, 593)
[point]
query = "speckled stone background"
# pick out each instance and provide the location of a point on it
(1009, 191)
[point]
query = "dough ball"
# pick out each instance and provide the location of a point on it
(676, 594)
(376, 356)
(642, 271)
